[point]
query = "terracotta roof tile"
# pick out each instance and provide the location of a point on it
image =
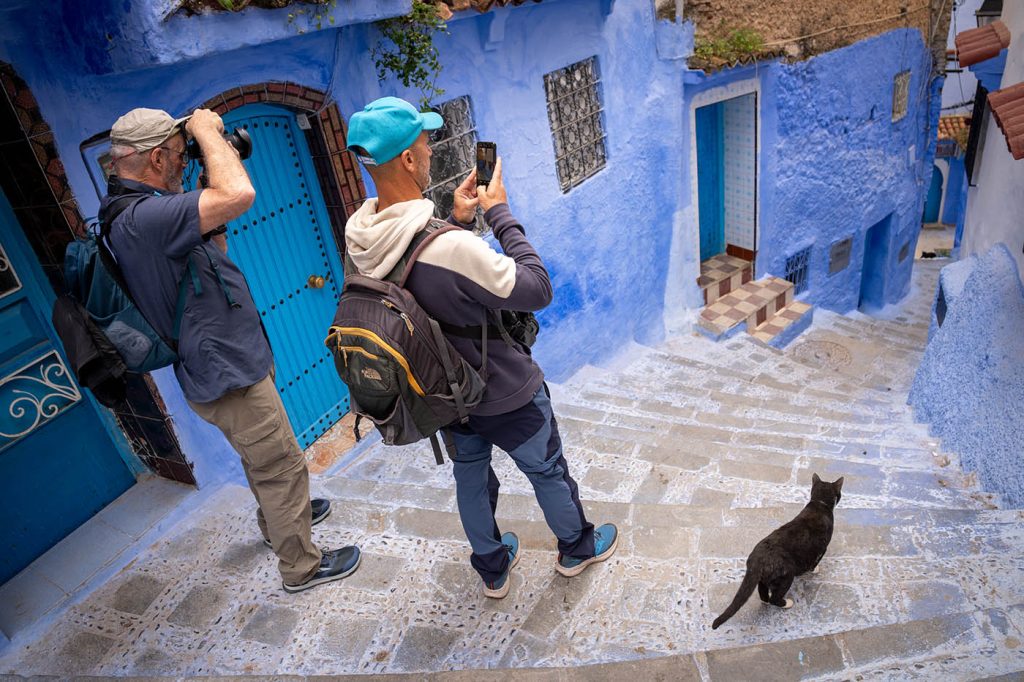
(950, 126)
(979, 44)
(1008, 109)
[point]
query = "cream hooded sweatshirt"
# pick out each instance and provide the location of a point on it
(376, 241)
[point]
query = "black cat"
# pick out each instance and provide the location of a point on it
(789, 551)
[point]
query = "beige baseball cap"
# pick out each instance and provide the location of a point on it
(143, 129)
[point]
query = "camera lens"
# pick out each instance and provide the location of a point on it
(238, 138)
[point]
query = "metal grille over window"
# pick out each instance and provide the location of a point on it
(454, 148)
(796, 269)
(574, 112)
(900, 92)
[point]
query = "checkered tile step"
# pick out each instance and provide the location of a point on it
(776, 324)
(721, 274)
(753, 303)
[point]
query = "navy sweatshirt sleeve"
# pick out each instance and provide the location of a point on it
(459, 276)
(515, 280)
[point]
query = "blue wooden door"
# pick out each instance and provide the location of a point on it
(283, 244)
(934, 200)
(872, 276)
(58, 462)
(710, 135)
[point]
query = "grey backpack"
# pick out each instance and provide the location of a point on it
(401, 372)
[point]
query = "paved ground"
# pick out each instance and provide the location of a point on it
(936, 238)
(696, 450)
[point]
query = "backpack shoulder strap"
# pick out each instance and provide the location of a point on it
(434, 229)
(116, 207)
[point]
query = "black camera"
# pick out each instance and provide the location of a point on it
(238, 138)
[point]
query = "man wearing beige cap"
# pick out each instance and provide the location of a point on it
(195, 296)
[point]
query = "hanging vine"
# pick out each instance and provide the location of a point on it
(406, 50)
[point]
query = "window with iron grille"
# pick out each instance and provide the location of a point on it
(574, 112)
(454, 156)
(900, 93)
(796, 269)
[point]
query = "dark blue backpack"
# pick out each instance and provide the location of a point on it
(94, 280)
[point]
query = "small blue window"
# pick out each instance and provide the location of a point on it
(796, 269)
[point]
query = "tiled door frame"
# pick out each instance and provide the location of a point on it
(336, 168)
(713, 96)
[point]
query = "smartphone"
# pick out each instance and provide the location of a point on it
(486, 157)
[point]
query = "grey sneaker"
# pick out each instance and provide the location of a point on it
(335, 564)
(321, 510)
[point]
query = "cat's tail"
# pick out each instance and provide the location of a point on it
(742, 595)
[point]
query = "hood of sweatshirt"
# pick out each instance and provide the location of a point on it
(376, 241)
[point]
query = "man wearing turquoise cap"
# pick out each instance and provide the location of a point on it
(456, 279)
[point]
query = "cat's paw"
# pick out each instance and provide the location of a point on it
(789, 603)
(816, 569)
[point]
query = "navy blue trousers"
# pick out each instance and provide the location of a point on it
(530, 436)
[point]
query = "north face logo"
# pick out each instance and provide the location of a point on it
(371, 374)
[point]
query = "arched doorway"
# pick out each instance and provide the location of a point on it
(307, 185)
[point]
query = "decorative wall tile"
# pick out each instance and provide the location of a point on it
(740, 170)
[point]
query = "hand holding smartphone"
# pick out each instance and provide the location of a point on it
(486, 157)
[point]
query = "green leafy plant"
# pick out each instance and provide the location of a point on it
(407, 50)
(739, 45)
(320, 13)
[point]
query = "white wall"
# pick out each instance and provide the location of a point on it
(996, 205)
(960, 87)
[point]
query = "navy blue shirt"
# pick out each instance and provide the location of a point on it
(220, 347)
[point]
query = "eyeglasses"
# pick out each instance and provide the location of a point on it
(182, 153)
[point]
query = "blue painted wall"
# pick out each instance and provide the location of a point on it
(956, 191)
(832, 163)
(606, 242)
(970, 385)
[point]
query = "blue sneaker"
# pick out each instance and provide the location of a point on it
(606, 539)
(500, 587)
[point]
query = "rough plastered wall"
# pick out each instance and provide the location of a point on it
(970, 385)
(840, 164)
(833, 162)
(808, 27)
(605, 242)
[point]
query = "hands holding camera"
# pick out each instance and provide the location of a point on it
(469, 195)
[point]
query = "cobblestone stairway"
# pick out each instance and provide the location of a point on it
(696, 450)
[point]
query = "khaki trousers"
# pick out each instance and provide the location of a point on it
(254, 421)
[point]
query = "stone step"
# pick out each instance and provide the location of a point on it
(748, 306)
(521, 505)
(710, 473)
(207, 597)
(871, 573)
(688, 375)
(779, 329)
(662, 424)
(756, 415)
(611, 464)
(687, 380)
(955, 646)
(823, 358)
(721, 274)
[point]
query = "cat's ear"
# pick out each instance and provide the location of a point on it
(838, 485)
(814, 479)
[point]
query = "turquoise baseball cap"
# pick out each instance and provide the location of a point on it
(388, 126)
